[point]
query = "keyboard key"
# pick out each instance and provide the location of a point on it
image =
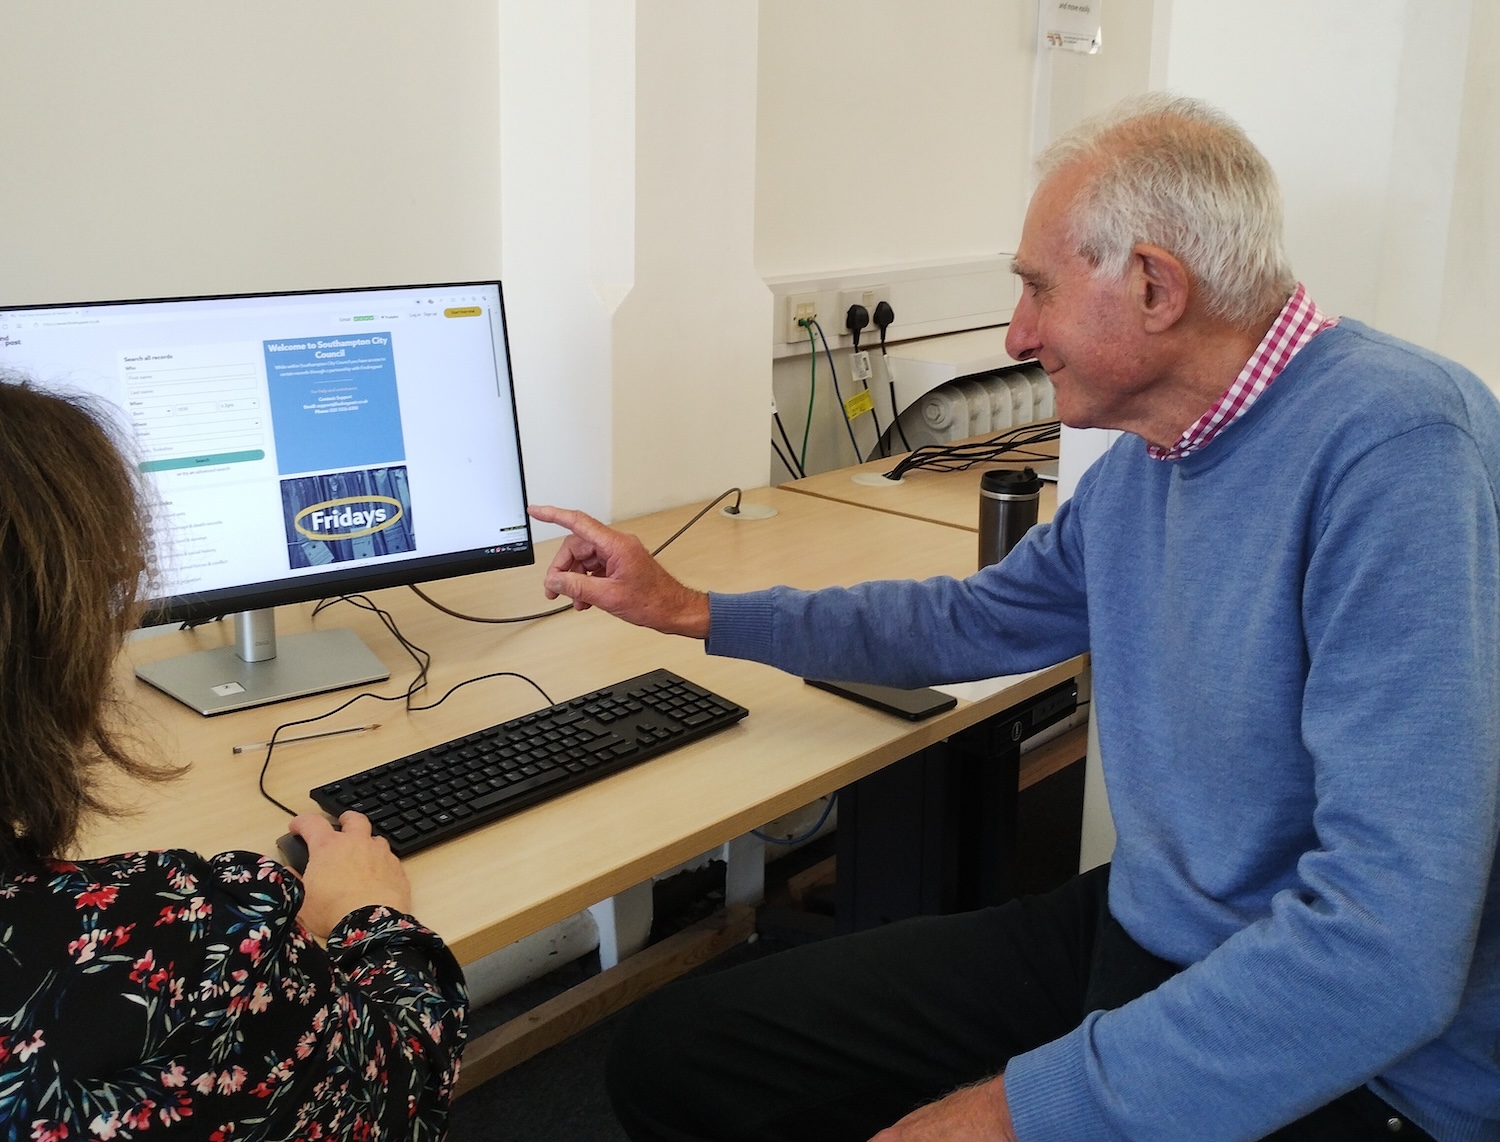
(499, 796)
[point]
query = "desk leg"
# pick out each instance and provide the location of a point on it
(624, 922)
(896, 856)
(987, 772)
(745, 870)
(933, 833)
(936, 832)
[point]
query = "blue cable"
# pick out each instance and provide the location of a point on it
(844, 415)
(812, 832)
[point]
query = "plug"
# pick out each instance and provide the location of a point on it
(856, 319)
(885, 316)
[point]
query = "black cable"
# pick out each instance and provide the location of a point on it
(837, 392)
(735, 510)
(481, 678)
(957, 457)
(785, 463)
(855, 321)
(890, 380)
(449, 611)
(421, 657)
(883, 318)
(559, 609)
(275, 734)
(795, 469)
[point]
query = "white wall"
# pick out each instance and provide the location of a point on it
(566, 94)
(691, 377)
(628, 151)
(1321, 106)
(171, 148)
(1471, 284)
(648, 162)
(1379, 118)
(887, 133)
(168, 147)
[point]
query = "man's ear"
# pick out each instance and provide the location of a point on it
(1160, 287)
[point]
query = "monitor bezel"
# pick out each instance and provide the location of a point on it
(204, 606)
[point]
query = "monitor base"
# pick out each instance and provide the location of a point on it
(219, 681)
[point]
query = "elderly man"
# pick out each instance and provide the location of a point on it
(1288, 576)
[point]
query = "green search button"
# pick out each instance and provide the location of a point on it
(203, 461)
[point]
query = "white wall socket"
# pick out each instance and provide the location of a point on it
(868, 296)
(801, 307)
(929, 299)
(831, 308)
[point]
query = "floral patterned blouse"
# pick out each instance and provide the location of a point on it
(159, 994)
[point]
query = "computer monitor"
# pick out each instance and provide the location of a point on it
(300, 446)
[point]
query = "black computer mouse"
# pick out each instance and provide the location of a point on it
(293, 851)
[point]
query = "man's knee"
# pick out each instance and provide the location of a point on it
(649, 1072)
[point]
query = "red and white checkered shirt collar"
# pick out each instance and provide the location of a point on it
(1298, 323)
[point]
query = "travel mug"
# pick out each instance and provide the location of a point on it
(1008, 501)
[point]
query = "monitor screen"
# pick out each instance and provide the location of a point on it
(301, 445)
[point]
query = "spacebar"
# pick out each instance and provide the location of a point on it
(510, 792)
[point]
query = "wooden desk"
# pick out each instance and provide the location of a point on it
(948, 498)
(503, 881)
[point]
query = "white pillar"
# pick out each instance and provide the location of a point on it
(624, 922)
(745, 870)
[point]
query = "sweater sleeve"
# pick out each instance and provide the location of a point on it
(1364, 960)
(1024, 613)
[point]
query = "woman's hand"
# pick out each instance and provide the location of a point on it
(347, 868)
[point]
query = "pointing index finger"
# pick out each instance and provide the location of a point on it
(579, 523)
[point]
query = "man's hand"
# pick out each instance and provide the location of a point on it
(976, 1113)
(598, 566)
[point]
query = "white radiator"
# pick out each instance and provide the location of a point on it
(986, 403)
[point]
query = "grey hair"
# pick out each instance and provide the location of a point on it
(1176, 173)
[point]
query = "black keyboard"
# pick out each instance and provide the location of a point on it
(450, 788)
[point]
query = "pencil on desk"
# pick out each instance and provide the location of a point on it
(248, 746)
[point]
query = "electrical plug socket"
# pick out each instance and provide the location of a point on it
(868, 296)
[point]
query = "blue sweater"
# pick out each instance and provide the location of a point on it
(1295, 636)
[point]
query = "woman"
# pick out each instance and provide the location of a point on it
(162, 993)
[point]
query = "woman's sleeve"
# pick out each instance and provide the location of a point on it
(395, 967)
(363, 1038)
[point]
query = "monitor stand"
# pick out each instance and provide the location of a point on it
(259, 669)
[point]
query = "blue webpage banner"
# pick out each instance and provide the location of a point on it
(334, 402)
(345, 516)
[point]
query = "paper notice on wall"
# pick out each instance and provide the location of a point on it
(1073, 25)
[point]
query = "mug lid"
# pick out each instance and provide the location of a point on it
(1010, 482)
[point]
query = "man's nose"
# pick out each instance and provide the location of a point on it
(1020, 337)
